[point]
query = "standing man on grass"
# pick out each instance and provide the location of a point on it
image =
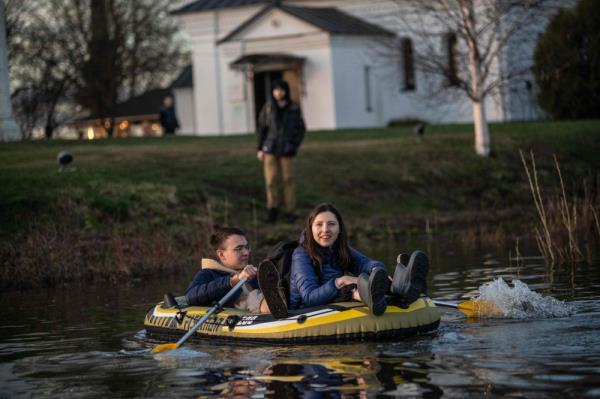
(167, 116)
(280, 133)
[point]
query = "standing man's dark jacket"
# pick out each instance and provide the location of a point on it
(280, 130)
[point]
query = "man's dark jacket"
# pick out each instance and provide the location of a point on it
(168, 119)
(209, 286)
(280, 129)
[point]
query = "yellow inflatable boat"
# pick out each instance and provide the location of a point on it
(334, 322)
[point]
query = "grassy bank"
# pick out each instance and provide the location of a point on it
(137, 207)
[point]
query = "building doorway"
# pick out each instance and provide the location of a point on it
(264, 80)
(262, 70)
(262, 89)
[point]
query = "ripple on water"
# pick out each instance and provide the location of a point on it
(453, 337)
(559, 377)
(183, 352)
(594, 393)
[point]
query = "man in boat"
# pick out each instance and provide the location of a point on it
(217, 276)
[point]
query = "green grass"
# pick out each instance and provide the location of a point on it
(379, 178)
(370, 172)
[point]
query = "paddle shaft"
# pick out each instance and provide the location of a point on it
(211, 311)
(446, 304)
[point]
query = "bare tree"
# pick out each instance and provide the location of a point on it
(90, 53)
(475, 36)
(40, 73)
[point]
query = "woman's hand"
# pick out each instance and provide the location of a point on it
(344, 281)
(260, 155)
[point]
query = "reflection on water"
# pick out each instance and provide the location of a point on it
(89, 341)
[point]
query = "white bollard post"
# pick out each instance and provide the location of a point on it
(9, 131)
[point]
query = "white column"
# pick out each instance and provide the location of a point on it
(9, 131)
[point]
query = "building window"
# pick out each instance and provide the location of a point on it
(451, 71)
(408, 65)
(368, 88)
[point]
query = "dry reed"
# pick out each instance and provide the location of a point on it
(563, 223)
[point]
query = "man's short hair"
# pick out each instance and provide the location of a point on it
(221, 234)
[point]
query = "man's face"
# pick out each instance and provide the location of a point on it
(278, 94)
(168, 101)
(235, 252)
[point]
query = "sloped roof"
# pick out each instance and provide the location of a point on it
(185, 79)
(207, 5)
(147, 103)
(331, 20)
(335, 21)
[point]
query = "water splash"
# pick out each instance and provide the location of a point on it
(519, 302)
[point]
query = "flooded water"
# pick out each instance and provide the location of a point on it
(89, 342)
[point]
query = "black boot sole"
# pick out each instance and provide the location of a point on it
(418, 267)
(379, 284)
(268, 281)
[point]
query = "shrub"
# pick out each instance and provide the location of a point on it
(567, 63)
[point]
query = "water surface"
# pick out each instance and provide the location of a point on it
(89, 341)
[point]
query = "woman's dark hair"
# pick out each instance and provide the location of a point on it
(221, 234)
(341, 248)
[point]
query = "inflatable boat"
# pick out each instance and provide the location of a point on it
(339, 321)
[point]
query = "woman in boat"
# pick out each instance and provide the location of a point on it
(325, 267)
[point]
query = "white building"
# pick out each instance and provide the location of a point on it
(333, 54)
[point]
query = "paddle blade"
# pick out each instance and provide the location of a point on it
(479, 308)
(165, 347)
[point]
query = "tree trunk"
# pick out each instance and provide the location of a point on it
(482, 134)
(48, 130)
(101, 71)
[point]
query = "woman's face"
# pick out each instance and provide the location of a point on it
(325, 229)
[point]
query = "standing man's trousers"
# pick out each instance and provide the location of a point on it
(275, 167)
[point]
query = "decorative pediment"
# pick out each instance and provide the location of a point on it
(276, 21)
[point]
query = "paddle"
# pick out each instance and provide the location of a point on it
(472, 308)
(174, 345)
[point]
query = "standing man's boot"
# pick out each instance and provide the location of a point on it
(373, 288)
(271, 215)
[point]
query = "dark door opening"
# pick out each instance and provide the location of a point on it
(262, 89)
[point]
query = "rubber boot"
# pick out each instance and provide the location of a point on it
(400, 274)
(413, 281)
(169, 301)
(271, 216)
(373, 288)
